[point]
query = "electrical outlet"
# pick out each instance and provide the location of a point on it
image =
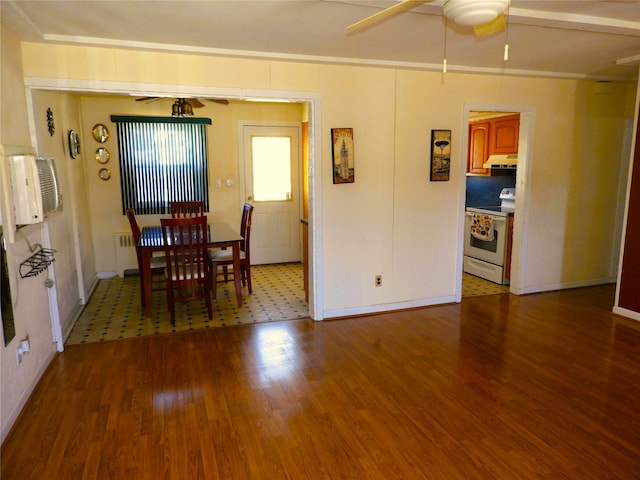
(23, 349)
(378, 280)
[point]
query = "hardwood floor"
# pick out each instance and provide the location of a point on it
(497, 387)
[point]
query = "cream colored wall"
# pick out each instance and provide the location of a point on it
(104, 197)
(13, 120)
(30, 303)
(392, 221)
(70, 233)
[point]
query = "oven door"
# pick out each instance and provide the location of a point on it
(493, 251)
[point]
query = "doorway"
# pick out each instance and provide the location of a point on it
(518, 181)
(269, 169)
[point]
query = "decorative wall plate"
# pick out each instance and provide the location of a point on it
(74, 143)
(102, 155)
(100, 133)
(104, 174)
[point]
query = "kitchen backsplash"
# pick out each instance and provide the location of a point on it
(485, 191)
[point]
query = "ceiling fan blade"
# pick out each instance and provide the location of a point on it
(195, 103)
(150, 99)
(385, 14)
(489, 28)
(221, 101)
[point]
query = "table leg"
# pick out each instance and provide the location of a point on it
(145, 281)
(237, 277)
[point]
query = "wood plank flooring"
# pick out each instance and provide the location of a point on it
(543, 386)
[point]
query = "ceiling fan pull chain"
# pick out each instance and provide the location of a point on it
(506, 35)
(444, 61)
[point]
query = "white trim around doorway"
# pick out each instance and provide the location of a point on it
(316, 290)
(523, 174)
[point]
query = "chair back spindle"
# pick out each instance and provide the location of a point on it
(186, 209)
(187, 268)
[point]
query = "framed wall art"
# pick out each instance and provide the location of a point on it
(343, 156)
(440, 165)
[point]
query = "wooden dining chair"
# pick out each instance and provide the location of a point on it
(186, 209)
(187, 266)
(224, 257)
(157, 262)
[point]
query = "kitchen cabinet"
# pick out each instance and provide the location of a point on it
(504, 135)
(478, 147)
(490, 137)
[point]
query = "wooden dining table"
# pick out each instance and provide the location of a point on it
(152, 240)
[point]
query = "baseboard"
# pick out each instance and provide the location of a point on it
(107, 275)
(563, 286)
(17, 410)
(388, 307)
(626, 313)
(77, 309)
(71, 321)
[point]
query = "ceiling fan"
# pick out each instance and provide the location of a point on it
(485, 16)
(183, 107)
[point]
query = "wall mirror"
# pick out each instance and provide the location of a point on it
(102, 155)
(104, 174)
(8, 326)
(100, 133)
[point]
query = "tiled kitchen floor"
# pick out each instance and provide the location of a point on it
(473, 286)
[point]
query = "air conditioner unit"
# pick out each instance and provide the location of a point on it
(35, 188)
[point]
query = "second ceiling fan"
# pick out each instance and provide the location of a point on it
(183, 107)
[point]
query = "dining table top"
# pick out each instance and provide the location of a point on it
(218, 232)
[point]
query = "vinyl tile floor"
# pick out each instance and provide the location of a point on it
(114, 310)
(473, 286)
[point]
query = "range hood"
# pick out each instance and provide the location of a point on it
(502, 161)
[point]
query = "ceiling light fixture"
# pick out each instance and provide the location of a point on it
(473, 12)
(181, 108)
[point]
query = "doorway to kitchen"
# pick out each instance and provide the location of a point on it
(496, 142)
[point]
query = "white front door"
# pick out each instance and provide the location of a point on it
(271, 156)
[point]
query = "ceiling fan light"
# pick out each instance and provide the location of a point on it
(473, 12)
(175, 109)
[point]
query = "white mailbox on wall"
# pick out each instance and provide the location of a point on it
(25, 188)
(34, 188)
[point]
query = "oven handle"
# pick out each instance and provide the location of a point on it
(495, 219)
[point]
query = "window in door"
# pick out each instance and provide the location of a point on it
(271, 165)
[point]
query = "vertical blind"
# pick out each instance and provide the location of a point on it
(162, 160)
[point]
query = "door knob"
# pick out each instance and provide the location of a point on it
(250, 198)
